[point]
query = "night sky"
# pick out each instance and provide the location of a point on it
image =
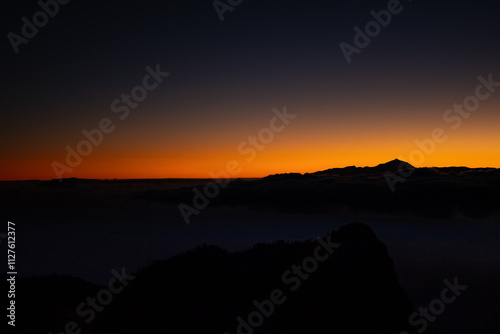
(226, 77)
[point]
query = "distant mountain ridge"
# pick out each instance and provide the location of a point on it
(395, 166)
(437, 192)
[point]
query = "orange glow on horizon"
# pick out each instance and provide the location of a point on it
(305, 146)
(266, 163)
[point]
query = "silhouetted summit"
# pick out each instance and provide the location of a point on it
(393, 166)
(392, 188)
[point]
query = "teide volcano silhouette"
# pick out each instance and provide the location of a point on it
(394, 188)
(208, 290)
(393, 166)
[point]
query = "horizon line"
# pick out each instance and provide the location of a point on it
(236, 178)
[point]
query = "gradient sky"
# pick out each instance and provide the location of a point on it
(227, 77)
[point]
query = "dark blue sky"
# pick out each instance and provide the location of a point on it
(227, 76)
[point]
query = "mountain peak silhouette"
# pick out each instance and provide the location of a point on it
(395, 165)
(356, 290)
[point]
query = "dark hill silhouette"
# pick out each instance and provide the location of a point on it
(204, 290)
(393, 166)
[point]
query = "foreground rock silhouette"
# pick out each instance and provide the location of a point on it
(355, 290)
